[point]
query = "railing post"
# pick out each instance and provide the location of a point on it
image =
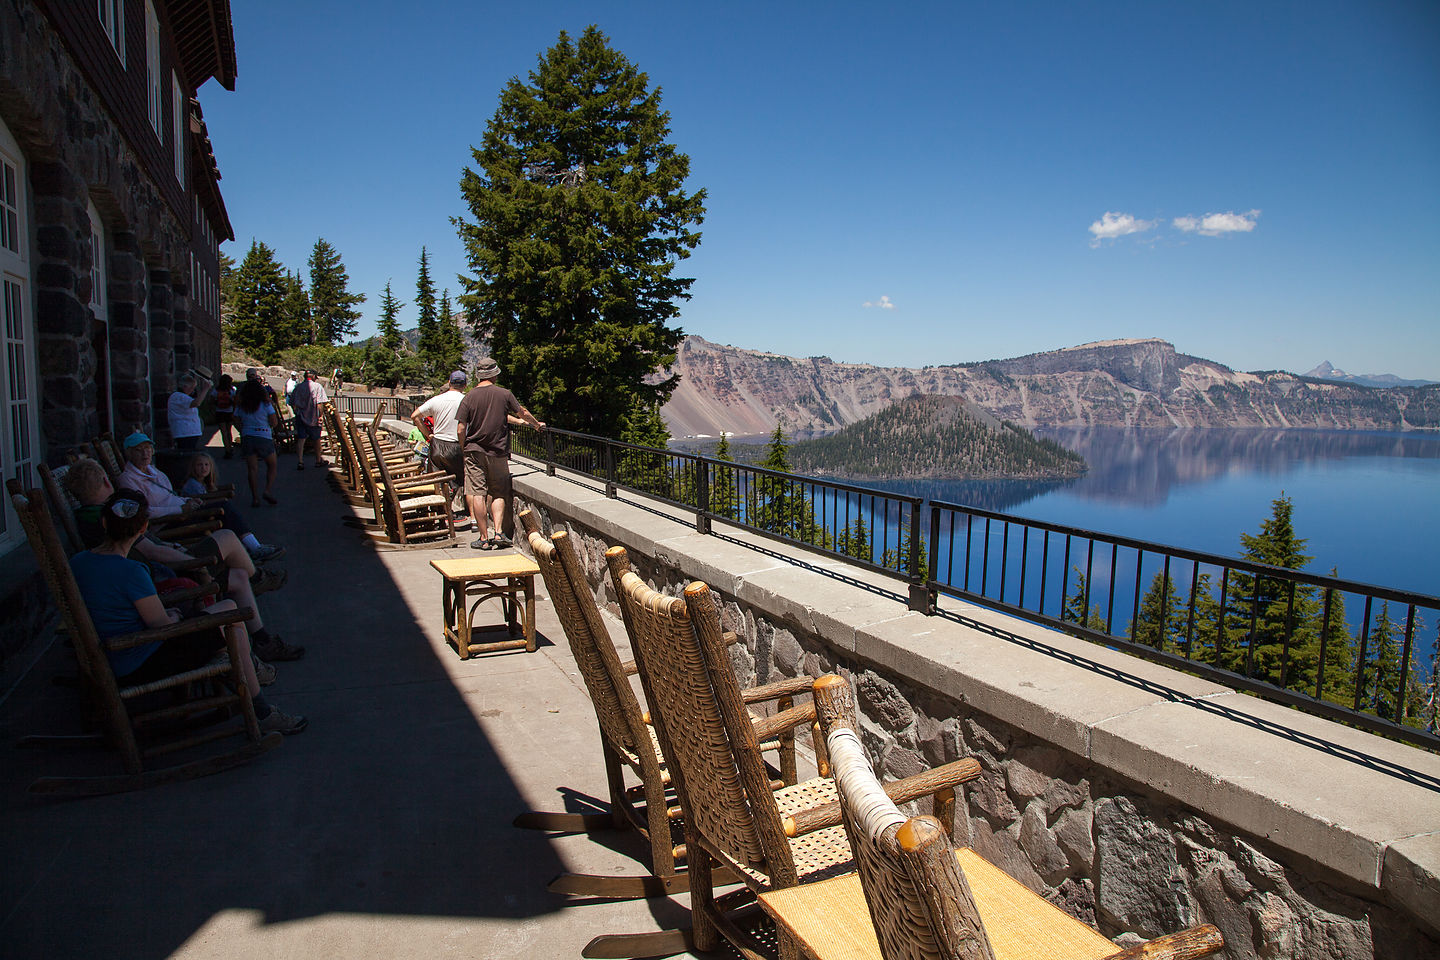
(549, 453)
(610, 489)
(922, 596)
(702, 495)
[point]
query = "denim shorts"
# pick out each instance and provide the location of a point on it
(262, 447)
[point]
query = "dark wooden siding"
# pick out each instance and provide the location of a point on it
(123, 88)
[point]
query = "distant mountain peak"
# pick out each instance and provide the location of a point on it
(1328, 371)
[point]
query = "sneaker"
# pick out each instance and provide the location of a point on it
(264, 672)
(461, 523)
(266, 580)
(278, 721)
(267, 551)
(277, 649)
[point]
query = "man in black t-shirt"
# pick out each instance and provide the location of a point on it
(483, 422)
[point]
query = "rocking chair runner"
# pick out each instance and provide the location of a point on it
(770, 840)
(625, 737)
(926, 900)
(124, 723)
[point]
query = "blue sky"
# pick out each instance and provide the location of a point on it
(1258, 183)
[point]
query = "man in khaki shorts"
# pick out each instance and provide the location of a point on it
(483, 422)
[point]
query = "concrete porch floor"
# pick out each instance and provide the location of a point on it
(381, 831)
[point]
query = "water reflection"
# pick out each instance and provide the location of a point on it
(1143, 467)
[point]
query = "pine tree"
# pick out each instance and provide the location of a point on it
(1078, 609)
(1162, 620)
(724, 492)
(429, 346)
(580, 218)
(1382, 667)
(643, 469)
(854, 541)
(781, 505)
(227, 288)
(1267, 601)
(332, 306)
(296, 327)
(259, 290)
(388, 365)
(451, 338)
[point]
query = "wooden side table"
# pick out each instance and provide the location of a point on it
(481, 578)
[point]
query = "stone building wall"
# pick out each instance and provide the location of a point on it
(77, 156)
(1112, 852)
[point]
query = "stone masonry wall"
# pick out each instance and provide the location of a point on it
(1111, 852)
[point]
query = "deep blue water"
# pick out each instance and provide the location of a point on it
(1368, 503)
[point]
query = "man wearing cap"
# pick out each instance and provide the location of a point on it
(483, 423)
(444, 439)
(305, 400)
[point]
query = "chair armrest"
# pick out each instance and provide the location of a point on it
(172, 598)
(189, 530)
(1198, 941)
(780, 688)
(424, 479)
(208, 621)
(218, 495)
(767, 728)
(900, 791)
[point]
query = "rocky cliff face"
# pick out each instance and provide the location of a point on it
(1132, 383)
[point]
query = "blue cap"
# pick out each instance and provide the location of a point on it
(458, 376)
(135, 439)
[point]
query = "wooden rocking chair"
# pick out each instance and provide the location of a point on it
(916, 896)
(369, 490)
(415, 507)
(626, 739)
(770, 840)
(125, 723)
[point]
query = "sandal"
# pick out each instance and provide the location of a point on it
(484, 543)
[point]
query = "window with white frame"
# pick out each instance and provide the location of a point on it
(99, 277)
(17, 374)
(112, 21)
(178, 105)
(155, 80)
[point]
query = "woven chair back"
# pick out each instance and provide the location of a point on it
(616, 707)
(686, 713)
(107, 451)
(912, 894)
(62, 505)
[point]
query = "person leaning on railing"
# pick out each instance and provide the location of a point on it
(121, 599)
(446, 452)
(483, 420)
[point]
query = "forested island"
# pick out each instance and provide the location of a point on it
(935, 436)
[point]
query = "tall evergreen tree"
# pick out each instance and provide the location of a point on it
(1382, 666)
(724, 492)
(781, 505)
(451, 337)
(1077, 607)
(643, 469)
(1162, 620)
(1266, 601)
(259, 289)
(296, 327)
(429, 347)
(227, 288)
(580, 217)
(388, 364)
(332, 305)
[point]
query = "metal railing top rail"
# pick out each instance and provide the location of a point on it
(1196, 556)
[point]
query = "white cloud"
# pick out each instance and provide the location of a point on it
(883, 303)
(1216, 224)
(1113, 225)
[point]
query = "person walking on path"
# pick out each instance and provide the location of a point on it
(183, 412)
(257, 439)
(305, 400)
(225, 410)
(483, 421)
(446, 450)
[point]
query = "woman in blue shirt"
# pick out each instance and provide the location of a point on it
(121, 599)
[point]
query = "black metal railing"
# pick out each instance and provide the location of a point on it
(1283, 634)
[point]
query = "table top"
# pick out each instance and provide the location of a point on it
(486, 568)
(832, 920)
